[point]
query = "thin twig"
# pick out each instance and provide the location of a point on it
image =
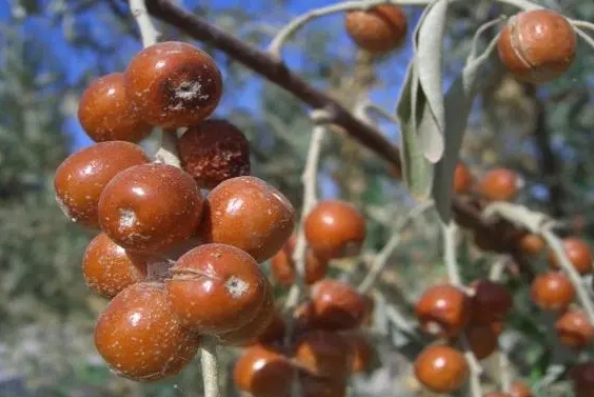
(450, 233)
(504, 371)
(474, 367)
(585, 36)
(149, 34)
(382, 257)
(210, 367)
(167, 152)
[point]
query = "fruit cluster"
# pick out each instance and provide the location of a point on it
(175, 264)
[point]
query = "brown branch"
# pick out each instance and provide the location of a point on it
(276, 71)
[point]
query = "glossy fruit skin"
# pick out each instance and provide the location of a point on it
(579, 254)
(283, 266)
(108, 269)
(537, 46)
(249, 214)
(264, 372)
(150, 208)
(335, 229)
(582, 377)
(519, 389)
(139, 337)
(482, 340)
(499, 184)
(443, 310)
(463, 179)
(380, 29)
(441, 369)
(217, 288)
(552, 291)
(81, 178)
(324, 354)
(312, 386)
(336, 305)
(107, 114)
(574, 329)
(173, 84)
(214, 151)
(531, 244)
(491, 302)
(273, 334)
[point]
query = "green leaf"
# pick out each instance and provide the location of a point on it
(458, 103)
(429, 58)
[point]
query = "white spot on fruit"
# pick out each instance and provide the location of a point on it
(127, 218)
(236, 286)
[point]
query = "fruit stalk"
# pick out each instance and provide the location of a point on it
(210, 367)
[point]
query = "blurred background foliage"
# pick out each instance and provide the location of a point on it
(51, 49)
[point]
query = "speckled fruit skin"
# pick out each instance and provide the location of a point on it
(217, 288)
(378, 30)
(140, 338)
(499, 184)
(264, 372)
(537, 46)
(443, 310)
(574, 329)
(282, 265)
(552, 291)
(579, 254)
(582, 377)
(463, 179)
(324, 354)
(150, 208)
(482, 340)
(107, 268)
(173, 84)
(312, 386)
(213, 152)
(531, 244)
(107, 114)
(81, 178)
(249, 214)
(335, 229)
(491, 302)
(336, 305)
(441, 369)
(519, 389)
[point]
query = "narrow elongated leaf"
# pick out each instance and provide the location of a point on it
(458, 103)
(429, 59)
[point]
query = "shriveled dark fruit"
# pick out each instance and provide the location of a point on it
(582, 378)
(482, 340)
(579, 254)
(214, 151)
(443, 310)
(312, 386)
(140, 338)
(490, 303)
(537, 46)
(324, 354)
(380, 29)
(441, 369)
(574, 329)
(336, 305)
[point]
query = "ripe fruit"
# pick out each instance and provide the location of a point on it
(362, 351)
(283, 266)
(107, 268)
(463, 179)
(150, 208)
(106, 113)
(482, 340)
(500, 184)
(324, 354)
(531, 244)
(336, 305)
(379, 29)
(248, 213)
(81, 178)
(574, 329)
(579, 254)
(173, 84)
(441, 369)
(552, 291)
(335, 229)
(443, 310)
(491, 302)
(140, 338)
(272, 334)
(217, 288)
(519, 389)
(582, 377)
(214, 151)
(264, 372)
(537, 46)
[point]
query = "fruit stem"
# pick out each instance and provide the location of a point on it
(210, 367)
(167, 152)
(148, 33)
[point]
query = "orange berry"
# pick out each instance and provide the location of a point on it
(491, 302)
(324, 354)
(574, 329)
(283, 266)
(500, 184)
(150, 208)
(537, 46)
(214, 151)
(441, 369)
(463, 179)
(250, 214)
(519, 389)
(335, 229)
(107, 114)
(336, 305)
(173, 84)
(552, 291)
(140, 338)
(531, 244)
(81, 178)
(108, 269)
(579, 254)
(379, 29)
(443, 310)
